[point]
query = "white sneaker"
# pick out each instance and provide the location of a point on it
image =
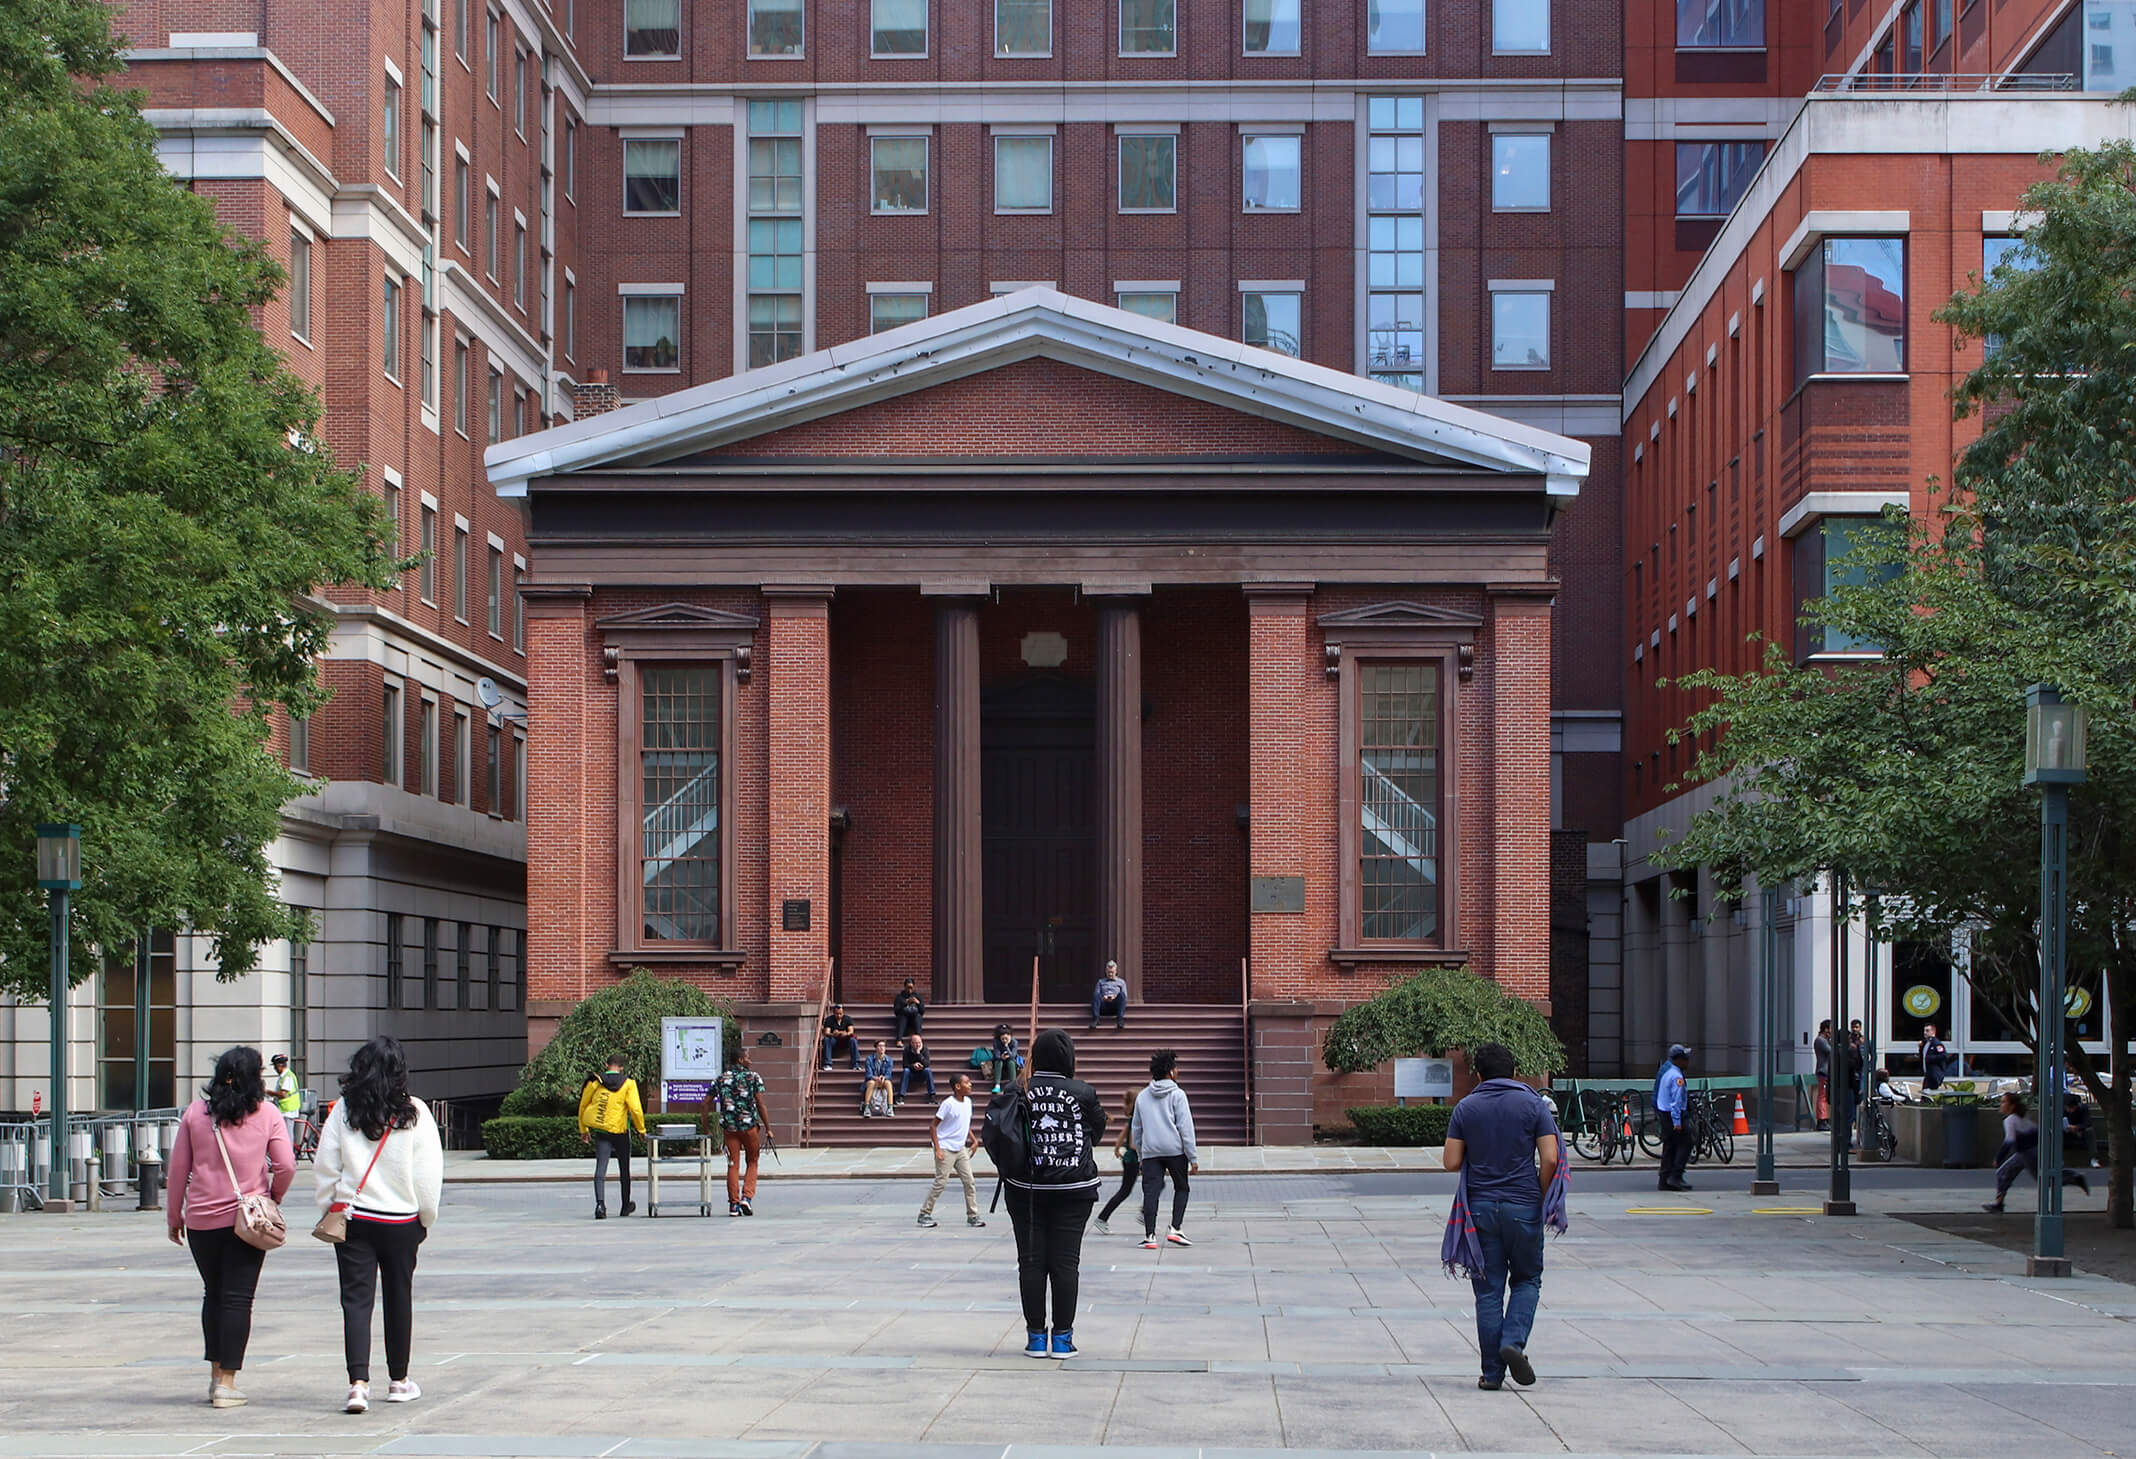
(1103, 1229)
(225, 1395)
(1178, 1237)
(359, 1399)
(405, 1391)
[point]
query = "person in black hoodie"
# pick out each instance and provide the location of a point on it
(1049, 1204)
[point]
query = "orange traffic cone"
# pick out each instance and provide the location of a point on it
(1742, 1126)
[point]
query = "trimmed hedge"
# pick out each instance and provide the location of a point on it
(540, 1137)
(1394, 1124)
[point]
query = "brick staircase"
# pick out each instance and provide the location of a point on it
(1208, 1039)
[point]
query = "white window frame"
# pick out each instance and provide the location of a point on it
(926, 174)
(926, 37)
(426, 744)
(394, 712)
(1298, 50)
(393, 98)
(1052, 159)
(681, 39)
(1120, 34)
(1006, 55)
(631, 140)
(1549, 139)
(673, 294)
(1549, 36)
(1247, 137)
(1267, 288)
(462, 352)
(1423, 14)
(749, 51)
(923, 291)
(301, 241)
(1126, 133)
(1529, 288)
(394, 325)
(463, 756)
(495, 405)
(1124, 289)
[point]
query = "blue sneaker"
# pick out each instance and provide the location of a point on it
(1063, 1342)
(1035, 1346)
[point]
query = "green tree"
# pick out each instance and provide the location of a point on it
(1438, 1010)
(1904, 772)
(163, 511)
(621, 1019)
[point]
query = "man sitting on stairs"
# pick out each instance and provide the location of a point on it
(1110, 996)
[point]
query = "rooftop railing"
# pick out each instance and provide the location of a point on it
(1941, 83)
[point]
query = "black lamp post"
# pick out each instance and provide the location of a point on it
(59, 871)
(2054, 761)
(1767, 1182)
(1839, 1198)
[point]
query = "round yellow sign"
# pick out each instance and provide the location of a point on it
(1921, 1000)
(2077, 1002)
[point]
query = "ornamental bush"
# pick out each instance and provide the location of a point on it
(623, 1019)
(1435, 1012)
(1393, 1124)
(540, 1137)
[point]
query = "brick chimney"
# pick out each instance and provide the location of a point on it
(594, 396)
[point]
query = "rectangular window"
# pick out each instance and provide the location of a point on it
(492, 52)
(519, 777)
(496, 407)
(1822, 568)
(1910, 40)
(774, 328)
(496, 593)
(1520, 27)
(1023, 27)
(496, 969)
(459, 573)
(652, 176)
(299, 1002)
(1272, 27)
(300, 743)
(898, 168)
(775, 27)
(1520, 172)
(392, 326)
(300, 286)
(519, 92)
(463, 967)
(427, 572)
(389, 128)
(1850, 308)
(427, 746)
(1995, 253)
(462, 206)
(898, 28)
(395, 730)
(1711, 177)
(570, 158)
(459, 386)
(115, 1008)
(1273, 173)
(428, 338)
(1394, 27)
(393, 517)
(459, 28)
(1939, 24)
(430, 962)
(514, 956)
(463, 749)
(1709, 24)
(652, 330)
(519, 412)
(1398, 801)
(396, 943)
(493, 778)
(1394, 199)
(1520, 329)
(491, 245)
(519, 608)
(519, 265)
(429, 162)
(652, 27)
(1148, 28)
(1150, 305)
(888, 311)
(1149, 174)
(570, 320)
(679, 809)
(775, 157)
(1273, 322)
(1023, 174)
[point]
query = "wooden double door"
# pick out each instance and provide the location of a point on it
(1038, 819)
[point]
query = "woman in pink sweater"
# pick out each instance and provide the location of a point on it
(203, 1205)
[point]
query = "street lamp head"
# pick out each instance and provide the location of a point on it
(2054, 738)
(59, 857)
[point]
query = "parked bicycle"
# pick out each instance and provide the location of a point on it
(1605, 1130)
(1877, 1132)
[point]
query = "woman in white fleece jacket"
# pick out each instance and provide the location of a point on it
(380, 1155)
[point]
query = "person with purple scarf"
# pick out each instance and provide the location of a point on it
(1504, 1142)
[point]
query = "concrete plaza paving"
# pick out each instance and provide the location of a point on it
(1311, 1318)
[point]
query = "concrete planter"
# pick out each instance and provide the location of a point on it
(1925, 1136)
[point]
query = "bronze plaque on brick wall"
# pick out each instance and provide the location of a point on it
(1278, 894)
(793, 915)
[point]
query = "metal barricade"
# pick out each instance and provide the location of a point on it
(105, 1155)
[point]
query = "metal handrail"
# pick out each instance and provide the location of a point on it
(1881, 84)
(806, 1119)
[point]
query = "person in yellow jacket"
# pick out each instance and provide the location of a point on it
(609, 1109)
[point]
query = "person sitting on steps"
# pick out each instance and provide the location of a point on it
(1110, 996)
(908, 1010)
(876, 1098)
(916, 1062)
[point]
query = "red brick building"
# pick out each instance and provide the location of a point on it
(1040, 632)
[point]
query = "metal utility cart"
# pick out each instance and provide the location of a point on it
(684, 1137)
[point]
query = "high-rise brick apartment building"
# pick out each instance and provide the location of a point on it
(1840, 169)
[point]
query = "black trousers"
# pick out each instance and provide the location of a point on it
(1675, 1153)
(229, 1275)
(377, 1261)
(1128, 1176)
(908, 1023)
(1154, 1170)
(604, 1146)
(1049, 1252)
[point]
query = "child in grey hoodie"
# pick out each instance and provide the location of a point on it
(1163, 1135)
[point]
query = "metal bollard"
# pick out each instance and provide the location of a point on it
(148, 1166)
(14, 1174)
(78, 1171)
(114, 1160)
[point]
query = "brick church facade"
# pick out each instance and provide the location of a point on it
(1040, 632)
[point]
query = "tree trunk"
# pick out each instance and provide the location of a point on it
(2120, 1208)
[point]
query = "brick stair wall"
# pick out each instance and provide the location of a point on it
(1207, 1038)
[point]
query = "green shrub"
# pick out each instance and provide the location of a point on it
(623, 1019)
(1394, 1124)
(1435, 1012)
(540, 1137)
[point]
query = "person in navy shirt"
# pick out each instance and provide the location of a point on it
(1504, 1140)
(1671, 1104)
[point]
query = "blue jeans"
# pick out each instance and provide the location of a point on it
(1100, 1005)
(904, 1085)
(1512, 1241)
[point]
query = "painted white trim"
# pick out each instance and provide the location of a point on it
(429, 501)
(189, 40)
(1581, 416)
(2004, 221)
(1817, 505)
(460, 295)
(1272, 129)
(393, 477)
(1520, 286)
(670, 133)
(1042, 323)
(649, 291)
(394, 72)
(1660, 118)
(1821, 223)
(1271, 286)
(1023, 129)
(498, 543)
(461, 524)
(1519, 128)
(1145, 129)
(1649, 298)
(901, 129)
(1145, 286)
(918, 286)
(1002, 288)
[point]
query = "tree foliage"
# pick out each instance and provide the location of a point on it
(1438, 1010)
(163, 510)
(622, 1019)
(1904, 772)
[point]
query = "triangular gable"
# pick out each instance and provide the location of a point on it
(1042, 324)
(1399, 613)
(678, 616)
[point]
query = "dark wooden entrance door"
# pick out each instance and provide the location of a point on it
(1038, 814)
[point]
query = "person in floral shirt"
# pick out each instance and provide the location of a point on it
(739, 1092)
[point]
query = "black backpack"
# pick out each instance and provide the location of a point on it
(1007, 1133)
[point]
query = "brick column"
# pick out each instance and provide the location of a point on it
(563, 785)
(1120, 788)
(1285, 1060)
(1520, 790)
(796, 672)
(959, 923)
